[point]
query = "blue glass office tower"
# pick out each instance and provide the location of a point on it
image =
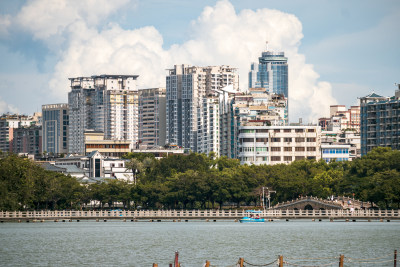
(271, 73)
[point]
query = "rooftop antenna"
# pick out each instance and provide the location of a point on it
(266, 45)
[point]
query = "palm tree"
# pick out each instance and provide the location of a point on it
(136, 166)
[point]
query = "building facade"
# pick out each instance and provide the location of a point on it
(8, 123)
(335, 152)
(380, 122)
(27, 140)
(263, 144)
(258, 106)
(152, 117)
(55, 124)
(94, 141)
(106, 103)
(271, 72)
(193, 97)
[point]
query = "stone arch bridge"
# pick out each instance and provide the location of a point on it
(314, 203)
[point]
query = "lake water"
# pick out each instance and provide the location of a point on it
(118, 243)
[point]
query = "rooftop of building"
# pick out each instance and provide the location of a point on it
(105, 76)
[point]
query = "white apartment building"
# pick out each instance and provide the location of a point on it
(96, 165)
(186, 108)
(257, 106)
(262, 144)
(342, 128)
(106, 103)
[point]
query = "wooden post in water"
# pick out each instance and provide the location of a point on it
(176, 261)
(280, 261)
(395, 258)
(155, 265)
(341, 260)
(241, 262)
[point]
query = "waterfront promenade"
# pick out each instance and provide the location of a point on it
(273, 214)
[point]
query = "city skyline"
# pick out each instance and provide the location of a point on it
(331, 50)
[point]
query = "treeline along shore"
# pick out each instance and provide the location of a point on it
(198, 181)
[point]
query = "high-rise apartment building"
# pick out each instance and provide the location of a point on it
(380, 121)
(187, 107)
(8, 123)
(257, 106)
(271, 73)
(27, 140)
(55, 121)
(105, 103)
(152, 117)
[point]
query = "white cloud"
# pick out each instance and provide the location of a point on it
(45, 18)
(4, 107)
(5, 22)
(219, 36)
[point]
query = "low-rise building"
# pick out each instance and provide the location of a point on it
(335, 152)
(96, 165)
(94, 141)
(263, 144)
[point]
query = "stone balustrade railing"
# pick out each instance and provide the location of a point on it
(198, 214)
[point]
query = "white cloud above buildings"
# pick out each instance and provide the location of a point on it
(84, 45)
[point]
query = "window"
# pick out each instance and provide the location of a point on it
(248, 149)
(275, 149)
(247, 140)
(299, 130)
(287, 158)
(299, 149)
(275, 140)
(275, 158)
(299, 139)
(311, 139)
(287, 149)
(262, 149)
(261, 130)
(311, 149)
(287, 139)
(262, 140)
(299, 157)
(277, 130)
(287, 130)
(246, 131)
(311, 130)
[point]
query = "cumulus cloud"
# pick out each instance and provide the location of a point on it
(4, 108)
(45, 18)
(218, 36)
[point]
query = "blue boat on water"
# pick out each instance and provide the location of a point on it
(252, 217)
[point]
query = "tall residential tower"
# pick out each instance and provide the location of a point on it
(55, 128)
(105, 103)
(189, 106)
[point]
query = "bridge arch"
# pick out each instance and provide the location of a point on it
(308, 207)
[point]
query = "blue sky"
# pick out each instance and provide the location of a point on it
(338, 50)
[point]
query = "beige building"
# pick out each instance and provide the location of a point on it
(262, 144)
(94, 141)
